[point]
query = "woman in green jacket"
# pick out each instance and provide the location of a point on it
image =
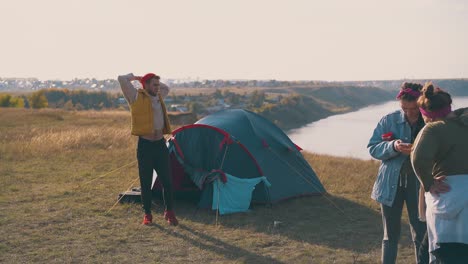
(441, 151)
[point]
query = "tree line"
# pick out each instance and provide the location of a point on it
(61, 98)
(288, 109)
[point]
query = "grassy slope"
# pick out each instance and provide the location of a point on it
(48, 213)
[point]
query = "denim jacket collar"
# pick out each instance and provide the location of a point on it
(402, 118)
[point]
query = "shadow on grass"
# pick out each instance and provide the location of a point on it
(327, 220)
(331, 221)
(205, 242)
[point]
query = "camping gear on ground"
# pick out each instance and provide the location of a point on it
(131, 196)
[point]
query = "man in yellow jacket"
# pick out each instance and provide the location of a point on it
(150, 123)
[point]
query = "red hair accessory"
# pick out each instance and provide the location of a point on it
(409, 91)
(441, 113)
(147, 77)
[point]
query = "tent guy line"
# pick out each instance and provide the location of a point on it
(112, 207)
(108, 173)
(324, 195)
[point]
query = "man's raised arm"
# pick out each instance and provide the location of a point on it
(129, 91)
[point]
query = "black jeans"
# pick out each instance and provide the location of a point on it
(451, 253)
(154, 155)
(423, 253)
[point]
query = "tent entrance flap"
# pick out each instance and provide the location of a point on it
(235, 195)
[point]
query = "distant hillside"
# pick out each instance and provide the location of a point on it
(348, 97)
(456, 87)
(315, 102)
(295, 111)
(311, 104)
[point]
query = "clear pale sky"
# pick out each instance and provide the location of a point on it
(235, 39)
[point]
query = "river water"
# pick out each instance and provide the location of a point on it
(347, 135)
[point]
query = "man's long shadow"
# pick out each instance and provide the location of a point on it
(212, 244)
(323, 220)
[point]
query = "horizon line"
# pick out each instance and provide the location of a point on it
(197, 79)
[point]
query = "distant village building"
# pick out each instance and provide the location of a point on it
(214, 109)
(177, 118)
(121, 101)
(223, 104)
(178, 108)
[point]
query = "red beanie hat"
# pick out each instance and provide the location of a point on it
(147, 77)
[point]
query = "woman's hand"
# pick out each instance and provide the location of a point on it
(402, 147)
(439, 186)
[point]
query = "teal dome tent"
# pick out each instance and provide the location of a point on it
(236, 157)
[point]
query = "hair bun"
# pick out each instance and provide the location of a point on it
(416, 86)
(404, 85)
(428, 90)
(412, 86)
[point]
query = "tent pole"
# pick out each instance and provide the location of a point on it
(220, 168)
(267, 190)
(217, 207)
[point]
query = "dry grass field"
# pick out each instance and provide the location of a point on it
(57, 192)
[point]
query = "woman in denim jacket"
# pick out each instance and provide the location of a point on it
(396, 183)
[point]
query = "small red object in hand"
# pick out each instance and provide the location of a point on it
(388, 136)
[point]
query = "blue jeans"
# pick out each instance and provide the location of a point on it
(407, 192)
